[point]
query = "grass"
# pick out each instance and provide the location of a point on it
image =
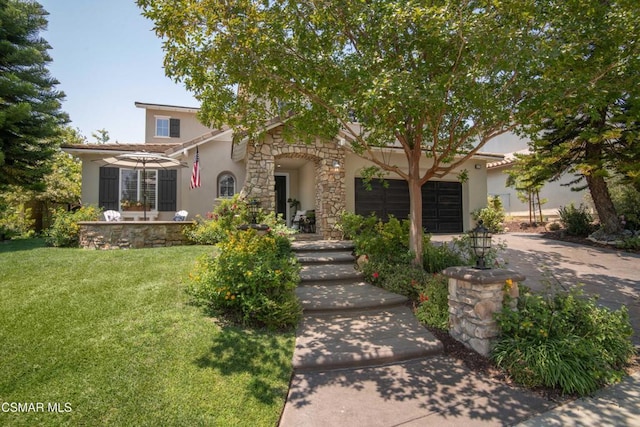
(112, 335)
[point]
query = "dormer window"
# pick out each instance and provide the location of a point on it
(166, 127)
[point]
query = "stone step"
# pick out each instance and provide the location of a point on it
(322, 245)
(329, 298)
(367, 338)
(329, 272)
(333, 257)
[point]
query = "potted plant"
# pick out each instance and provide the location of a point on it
(293, 203)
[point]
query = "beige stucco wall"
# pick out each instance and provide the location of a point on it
(474, 191)
(190, 127)
(215, 158)
(556, 194)
(307, 186)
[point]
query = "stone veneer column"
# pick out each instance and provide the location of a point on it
(474, 296)
(331, 194)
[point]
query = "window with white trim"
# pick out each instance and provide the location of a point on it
(162, 127)
(226, 185)
(134, 185)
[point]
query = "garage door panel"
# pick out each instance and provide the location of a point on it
(441, 203)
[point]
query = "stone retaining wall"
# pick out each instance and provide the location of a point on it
(132, 234)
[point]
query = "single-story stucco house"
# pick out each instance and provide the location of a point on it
(323, 176)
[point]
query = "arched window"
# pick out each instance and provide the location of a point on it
(226, 185)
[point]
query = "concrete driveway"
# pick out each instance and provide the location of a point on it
(611, 274)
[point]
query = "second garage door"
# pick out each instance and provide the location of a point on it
(441, 203)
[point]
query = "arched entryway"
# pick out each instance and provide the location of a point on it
(322, 162)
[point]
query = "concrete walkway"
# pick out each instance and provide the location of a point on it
(434, 389)
(361, 358)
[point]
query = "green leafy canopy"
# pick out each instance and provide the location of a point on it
(437, 79)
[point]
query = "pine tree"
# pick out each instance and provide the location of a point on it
(594, 144)
(30, 115)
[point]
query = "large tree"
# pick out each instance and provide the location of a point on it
(437, 78)
(30, 115)
(593, 131)
(593, 145)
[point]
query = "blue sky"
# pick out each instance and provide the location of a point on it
(107, 57)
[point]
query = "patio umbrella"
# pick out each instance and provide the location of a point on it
(142, 160)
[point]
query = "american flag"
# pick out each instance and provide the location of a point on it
(195, 173)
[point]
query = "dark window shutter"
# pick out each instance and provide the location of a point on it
(174, 128)
(167, 190)
(108, 188)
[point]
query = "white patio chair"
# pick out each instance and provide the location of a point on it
(180, 216)
(295, 222)
(111, 215)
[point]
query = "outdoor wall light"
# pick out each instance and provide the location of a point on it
(254, 208)
(336, 164)
(478, 166)
(480, 243)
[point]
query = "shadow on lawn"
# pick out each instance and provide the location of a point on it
(263, 355)
(21, 245)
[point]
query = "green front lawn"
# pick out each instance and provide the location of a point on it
(111, 338)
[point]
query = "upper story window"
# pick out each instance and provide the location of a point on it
(162, 127)
(226, 185)
(166, 127)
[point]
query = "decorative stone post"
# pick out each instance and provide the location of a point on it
(474, 296)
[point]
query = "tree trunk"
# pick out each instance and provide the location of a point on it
(415, 217)
(604, 205)
(599, 189)
(539, 205)
(415, 210)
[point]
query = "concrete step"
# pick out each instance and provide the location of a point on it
(333, 257)
(322, 245)
(329, 272)
(329, 298)
(367, 338)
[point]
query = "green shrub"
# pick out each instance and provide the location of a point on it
(577, 221)
(65, 231)
(399, 277)
(563, 340)
(252, 280)
(626, 200)
(554, 226)
(380, 241)
(227, 217)
(436, 258)
(433, 299)
(492, 216)
(630, 243)
(15, 216)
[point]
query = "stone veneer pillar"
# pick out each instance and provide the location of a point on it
(474, 296)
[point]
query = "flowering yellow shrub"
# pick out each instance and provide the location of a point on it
(251, 280)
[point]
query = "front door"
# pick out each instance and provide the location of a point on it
(281, 196)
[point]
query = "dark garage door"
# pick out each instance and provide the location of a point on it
(441, 203)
